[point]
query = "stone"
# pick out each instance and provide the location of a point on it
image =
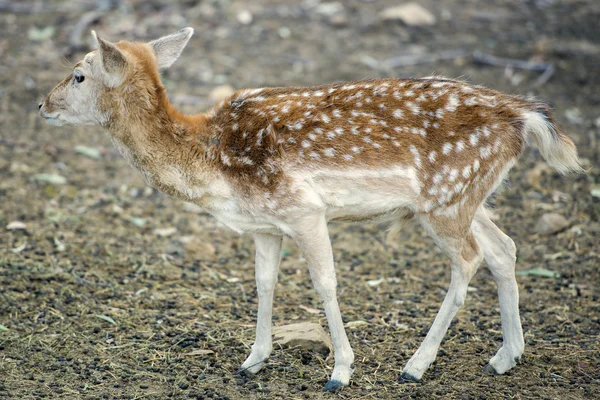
(245, 17)
(551, 223)
(412, 14)
(165, 232)
(16, 226)
(196, 248)
(305, 335)
(329, 9)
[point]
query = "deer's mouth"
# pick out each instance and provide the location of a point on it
(52, 119)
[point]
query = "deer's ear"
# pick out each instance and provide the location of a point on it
(112, 60)
(167, 49)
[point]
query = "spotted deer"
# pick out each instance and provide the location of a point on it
(285, 161)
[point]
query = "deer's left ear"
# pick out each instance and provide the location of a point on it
(167, 49)
(114, 64)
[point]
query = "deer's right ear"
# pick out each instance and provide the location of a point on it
(112, 60)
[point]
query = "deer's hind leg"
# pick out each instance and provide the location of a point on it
(500, 256)
(455, 239)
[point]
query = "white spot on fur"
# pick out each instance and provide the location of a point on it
(446, 148)
(414, 108)
(453, 175)
(485, 151)
(474, 138)
(460, 145)
(466, 172)
(432, 157)
(452, 103)
(416, 155)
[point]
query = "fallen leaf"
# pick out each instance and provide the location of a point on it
(3, 328)
(106, 318)
(375, 282)
(164, 232)
(539, 272)
(139, 222)
(90, 152)
(54, 179)
(199, 352)
(310, 310)
(553, 256)
(60, 246)
(20, 248)
(354, 324)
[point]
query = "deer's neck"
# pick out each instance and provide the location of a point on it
(168, 148)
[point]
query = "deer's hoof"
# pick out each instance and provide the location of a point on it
(333, 385)
(488, 369)
(407, 378)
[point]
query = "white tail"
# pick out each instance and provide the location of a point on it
(558, 150)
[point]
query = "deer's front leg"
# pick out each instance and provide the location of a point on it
(312, 237)
(268, 256)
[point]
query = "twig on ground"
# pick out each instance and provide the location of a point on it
(547, 69)
(487, 59)
(82, 280)
(545, 77)
(406, 60)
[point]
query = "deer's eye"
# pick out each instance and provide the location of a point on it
(79, 78)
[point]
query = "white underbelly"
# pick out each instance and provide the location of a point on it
(378, 195)
(347, 195)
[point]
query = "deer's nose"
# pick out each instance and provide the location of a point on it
(40, 106)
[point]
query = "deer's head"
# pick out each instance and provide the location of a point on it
(115, 79)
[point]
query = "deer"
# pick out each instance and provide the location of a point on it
(284, 161)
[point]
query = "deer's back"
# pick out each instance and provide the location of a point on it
(445, 133)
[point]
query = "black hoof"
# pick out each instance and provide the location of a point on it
(244, 373)
(333, 385)
(488, 369)
(407, 378)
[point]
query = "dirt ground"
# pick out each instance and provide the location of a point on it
(115, 291)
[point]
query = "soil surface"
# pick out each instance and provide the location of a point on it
(114, 290)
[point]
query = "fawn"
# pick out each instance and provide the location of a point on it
(285, 161)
